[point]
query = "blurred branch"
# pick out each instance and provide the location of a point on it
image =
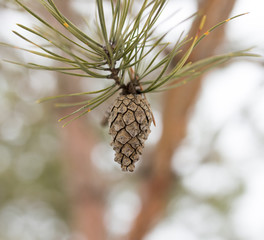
(177, 105)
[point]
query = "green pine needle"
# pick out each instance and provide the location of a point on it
(127, 46)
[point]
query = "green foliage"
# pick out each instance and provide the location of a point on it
(123, 49)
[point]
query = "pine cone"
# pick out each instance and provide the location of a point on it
(129, 124)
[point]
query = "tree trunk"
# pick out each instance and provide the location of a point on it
(177, 105)
(86, 190)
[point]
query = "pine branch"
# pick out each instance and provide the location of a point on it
(126, 44)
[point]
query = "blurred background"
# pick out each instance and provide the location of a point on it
(201, 176)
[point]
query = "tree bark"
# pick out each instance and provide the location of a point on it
(177, 105)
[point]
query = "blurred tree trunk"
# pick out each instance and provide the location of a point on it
(86, 190)
(177, 105)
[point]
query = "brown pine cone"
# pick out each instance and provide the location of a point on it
(129, 126)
